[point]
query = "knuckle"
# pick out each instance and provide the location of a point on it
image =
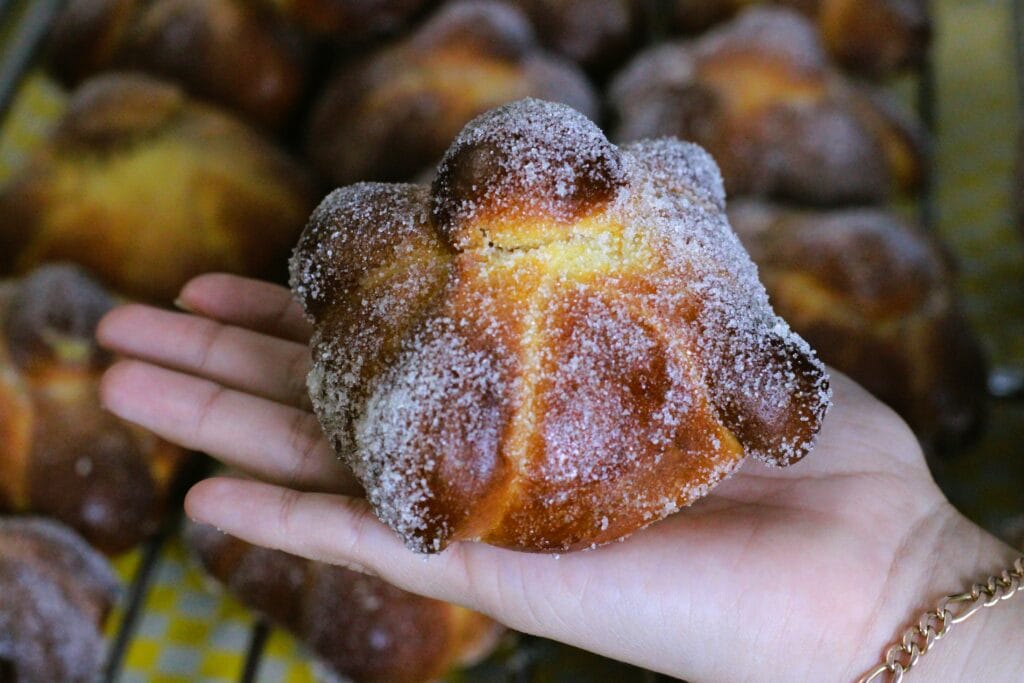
(278, 319)
(208, 408)
(356, 550)
(304, 441)
(467, 579)
(287, 506)
(297, 369)
(500, 591)
(209, 336)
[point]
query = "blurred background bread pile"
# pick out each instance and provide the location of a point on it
(230, 52)
(392, 114)
(55, 594)
(759, 93)
(61, 454)
(871, 37)
(147, 189)
(861, 143)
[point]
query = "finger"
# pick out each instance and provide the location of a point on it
(252, 304)
(248, 361)
(339, 530)
(521, 590)
(265, 439)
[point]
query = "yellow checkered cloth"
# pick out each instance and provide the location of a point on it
(190, 630)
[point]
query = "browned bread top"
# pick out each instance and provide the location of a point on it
(559, 343)
(226, 51)
(596, 34)
(351, 21)
(873, 37)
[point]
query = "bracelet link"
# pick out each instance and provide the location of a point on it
(917, 640)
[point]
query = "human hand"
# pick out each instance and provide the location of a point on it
(797, 574)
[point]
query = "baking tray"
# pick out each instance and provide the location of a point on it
(172, 625)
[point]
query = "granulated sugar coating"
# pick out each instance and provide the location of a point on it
(57, 590)
(562, 342)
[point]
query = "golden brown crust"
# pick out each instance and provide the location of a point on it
(563, 342)
(130, 152)
(875, 297)
(873, 37)
(759, 95)
(55, 593)
(364, 628)
(66, 457)
(226, 51)
(391, 115)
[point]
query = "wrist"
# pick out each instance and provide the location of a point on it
(946, 554)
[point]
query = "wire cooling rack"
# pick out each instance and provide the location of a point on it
(24, 25)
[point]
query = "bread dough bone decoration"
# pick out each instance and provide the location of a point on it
(558, 343)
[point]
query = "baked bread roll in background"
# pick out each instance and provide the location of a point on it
(596, 34)
(873, 37)
(227, 51)
(147, 189)
(363, 628)
(61, 454)
(876, 298)
(55, 593)
(557, 344)
(351, 22)
(391, 115)
(759, 95)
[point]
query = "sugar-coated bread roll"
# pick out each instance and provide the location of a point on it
(226, 51)
(759, 95)
(873, 37)
(61, 454)
(363, 628)
(55, 593)
(391, 115)
(876, 298)
(147, 189)
(557, 344)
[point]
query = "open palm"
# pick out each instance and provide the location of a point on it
(796, 574)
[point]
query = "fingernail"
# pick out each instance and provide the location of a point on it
(180, 304)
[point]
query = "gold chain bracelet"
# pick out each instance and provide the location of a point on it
(932, 626)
